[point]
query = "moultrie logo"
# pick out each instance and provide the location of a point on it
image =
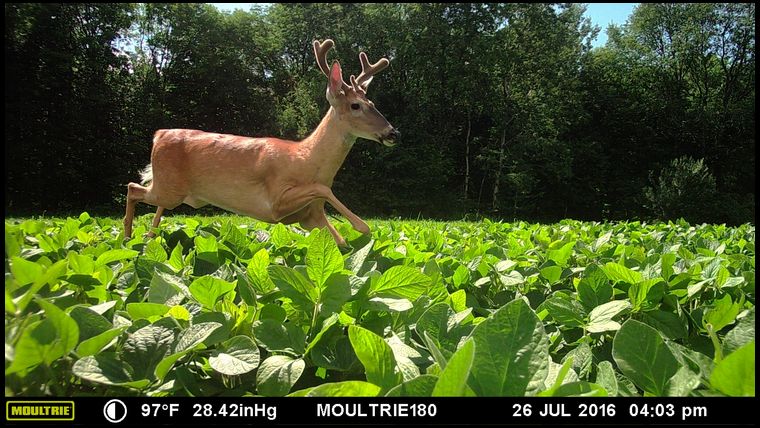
(39, 411)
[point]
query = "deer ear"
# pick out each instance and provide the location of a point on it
(336, 79)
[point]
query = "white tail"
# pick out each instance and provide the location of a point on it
(146, 175)
(267, 178)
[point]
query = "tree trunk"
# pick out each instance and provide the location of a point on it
(467, 157)
(502, 145)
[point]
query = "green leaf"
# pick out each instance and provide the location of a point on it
(96, 344)
(146, 310)
(642, 356)
(155, 251)
(13, 239)
(44, 341)
(511, 352)
(443, 326)
(326, 325)
(562, 254)
(566, 311)
(580, 389)
(276, 337)
(175, 259)
(351, 388)
(605, 377)
(722, 314)
(453, 379)
(273, 312)
(335, 292)
(735, 374)
(461, 276)
(646, 292)
(683, 382)
(206, 255)
(376, 356)
(333, 351)
(323, 257)
(551, 273)
(277, 375)
(558, 374)
(667, 323)
(600, 318)
(619, 273)
(421, 386)
(50, 276)
(208, 289)
(106, 369)
(90, 323)
(145, 348)
(459, 300)
(355, 262)
(236, 356)
(666, 265)
(244, 288)
(166, 289)
(178, 313)
(388, 304)
(743, 333)
(111, 256)
(258, 274)
(66, 331)
(191, 337)
(433, 346)
(235, 240)
(295, 286)
(187, 341)
(582, 359)
(402, 282)
(25, 272)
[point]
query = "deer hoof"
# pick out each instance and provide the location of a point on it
(362, 227)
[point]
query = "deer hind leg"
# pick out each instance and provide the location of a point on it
(137, 193)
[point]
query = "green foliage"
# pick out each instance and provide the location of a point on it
(452, 309)
(686, 189)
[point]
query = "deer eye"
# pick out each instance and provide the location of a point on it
(355, 106)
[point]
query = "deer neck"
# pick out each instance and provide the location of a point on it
(327, 147)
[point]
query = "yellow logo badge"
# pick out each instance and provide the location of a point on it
(39, 411)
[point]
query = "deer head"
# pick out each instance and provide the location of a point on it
(350, 102)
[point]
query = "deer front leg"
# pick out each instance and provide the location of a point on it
(296, 198)
(315, 218)
(156, 221)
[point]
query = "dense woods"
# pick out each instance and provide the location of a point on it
(506, 110)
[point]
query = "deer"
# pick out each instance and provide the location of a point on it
(270, 179)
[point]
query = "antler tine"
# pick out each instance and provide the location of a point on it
(369, 70)
(320, 52)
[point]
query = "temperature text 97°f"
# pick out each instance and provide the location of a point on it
(157, 409)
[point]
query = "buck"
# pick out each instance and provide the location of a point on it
(268, 178)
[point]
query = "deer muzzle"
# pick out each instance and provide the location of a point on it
(391, 138)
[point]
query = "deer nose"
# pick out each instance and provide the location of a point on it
(391, 138)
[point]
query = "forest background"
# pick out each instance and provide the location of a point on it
(506, 110)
